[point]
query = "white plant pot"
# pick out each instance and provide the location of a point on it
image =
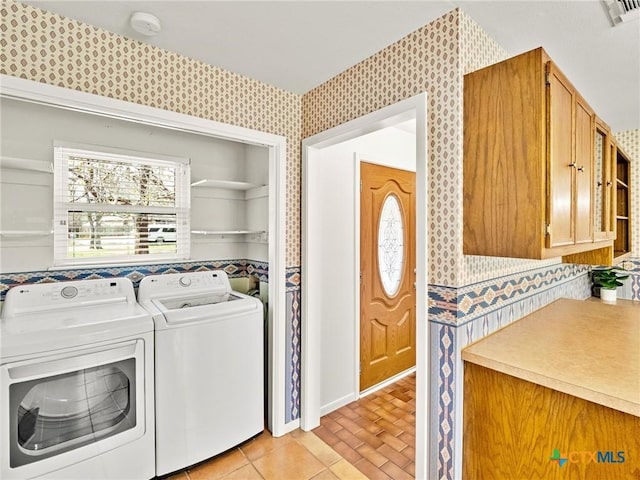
(608, 295)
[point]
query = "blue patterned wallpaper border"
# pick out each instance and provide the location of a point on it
(294, 279)
(455, 306)
(234, 268)
(293, 356)
(446, 399)
(632, 265)
(631, 288)
(632, 291)
(294, 339)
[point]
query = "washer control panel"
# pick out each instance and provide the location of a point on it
(190, 283)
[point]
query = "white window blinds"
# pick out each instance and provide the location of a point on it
(111, 206)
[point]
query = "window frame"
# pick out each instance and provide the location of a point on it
(62, 207)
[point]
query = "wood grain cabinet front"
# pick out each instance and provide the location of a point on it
(529, 181)
(515, 429)
(622, 204)
(604, 169)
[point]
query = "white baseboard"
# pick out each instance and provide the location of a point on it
(352, 397)
(336, 404)
(387, 382)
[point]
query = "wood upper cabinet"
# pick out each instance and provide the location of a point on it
(582, 167)
(561, 100)
(528, 163)
(604, 174)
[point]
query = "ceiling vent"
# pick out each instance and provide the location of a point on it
(622, 11)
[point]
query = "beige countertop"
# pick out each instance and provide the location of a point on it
(587, 349)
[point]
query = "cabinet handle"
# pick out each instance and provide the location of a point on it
(572, 164)
(581, 169)
(609, 183)
(599, 184)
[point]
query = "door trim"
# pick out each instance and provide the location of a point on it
(414, 107)
(22, 89)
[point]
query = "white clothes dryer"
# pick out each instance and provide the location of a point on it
(76, 373)
(209, 366)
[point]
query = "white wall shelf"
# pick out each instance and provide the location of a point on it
(25, 233)
(26, 164)
(227, 232)
(226, 184)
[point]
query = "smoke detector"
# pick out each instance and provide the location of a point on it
(145, 23)
(622, 11)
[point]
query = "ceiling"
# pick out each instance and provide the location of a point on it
(297, 45)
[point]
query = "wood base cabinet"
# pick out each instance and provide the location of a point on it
(529, 181)
(515, 429)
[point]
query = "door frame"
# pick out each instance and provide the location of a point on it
(414, 107)
(52, 95)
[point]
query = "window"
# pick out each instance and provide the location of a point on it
(112, 206)
(391, 245)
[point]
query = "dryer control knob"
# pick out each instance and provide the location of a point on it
(69, 292)
(185, 281)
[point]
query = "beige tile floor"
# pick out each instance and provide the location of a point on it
(298, 455)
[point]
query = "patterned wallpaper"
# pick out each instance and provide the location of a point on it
(48, 48)
(477, 48)
(630, 143)
(425, 60)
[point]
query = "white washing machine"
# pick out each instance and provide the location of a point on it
(76, 372)
(209, 366)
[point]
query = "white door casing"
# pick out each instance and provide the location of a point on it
(414, 107)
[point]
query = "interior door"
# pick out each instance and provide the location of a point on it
(387, 272)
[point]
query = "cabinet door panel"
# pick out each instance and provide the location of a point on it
(602, 184)
(561, 172)
(584, 172)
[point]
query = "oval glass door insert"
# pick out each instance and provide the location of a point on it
(390, 245)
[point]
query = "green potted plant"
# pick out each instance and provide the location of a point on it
(605, 282)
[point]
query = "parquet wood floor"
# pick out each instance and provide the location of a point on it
(376, 434)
